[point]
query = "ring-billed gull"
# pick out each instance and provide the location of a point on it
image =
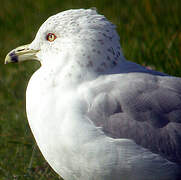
(95, 115)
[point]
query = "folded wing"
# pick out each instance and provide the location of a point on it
(143, 107)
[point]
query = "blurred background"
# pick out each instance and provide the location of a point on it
(150, 34)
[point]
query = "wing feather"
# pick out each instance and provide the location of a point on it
(143, 107)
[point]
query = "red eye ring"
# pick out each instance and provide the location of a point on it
(50, 37)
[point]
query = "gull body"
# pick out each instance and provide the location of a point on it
(95, 115)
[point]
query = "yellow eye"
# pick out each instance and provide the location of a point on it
(51, 37)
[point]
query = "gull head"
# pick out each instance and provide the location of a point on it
(78, 38)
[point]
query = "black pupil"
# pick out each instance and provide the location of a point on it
(50, 36)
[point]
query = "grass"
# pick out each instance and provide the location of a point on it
(150, 34)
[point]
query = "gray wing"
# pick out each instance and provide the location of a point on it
(143, 107)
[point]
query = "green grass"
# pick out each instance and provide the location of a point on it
(150, 34)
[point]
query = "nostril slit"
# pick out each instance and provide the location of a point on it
(20, 50)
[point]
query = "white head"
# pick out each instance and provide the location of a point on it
(75, 38)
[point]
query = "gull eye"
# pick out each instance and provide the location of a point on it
(50, 37)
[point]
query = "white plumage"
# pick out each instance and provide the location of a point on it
(95, 115)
